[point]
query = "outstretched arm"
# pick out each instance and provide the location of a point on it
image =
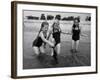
(84, 35)
(49, 35)
(66, 33)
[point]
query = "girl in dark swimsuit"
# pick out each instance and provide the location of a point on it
(56, 34)
(38, 43)
(76, 33)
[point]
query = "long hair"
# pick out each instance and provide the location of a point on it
(42, 25)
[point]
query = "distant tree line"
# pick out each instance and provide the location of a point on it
(51, 17)
(32, 17)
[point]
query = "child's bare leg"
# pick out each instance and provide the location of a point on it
(52, 49)
(42, 50)
(36, 50)
(58, 48)
(73, 44)
(56, 52)
(55, 55)
(77, 45)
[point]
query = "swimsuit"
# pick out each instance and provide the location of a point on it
(56, 36)
(76, 33)
(38, 42)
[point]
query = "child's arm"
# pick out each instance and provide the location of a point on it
(50, 32)
(45, 40)
(69, 32)
(66, 33)
(48, 36)
(84, 35)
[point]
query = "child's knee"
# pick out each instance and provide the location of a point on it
(36, 51)
(58, 51)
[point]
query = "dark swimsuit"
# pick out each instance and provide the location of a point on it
(76, 33)
(56, 36)
(38, 42)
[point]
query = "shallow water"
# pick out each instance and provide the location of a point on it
(30, 33)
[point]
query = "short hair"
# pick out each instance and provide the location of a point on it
(58, 17)
(44, 23)
(77, 19)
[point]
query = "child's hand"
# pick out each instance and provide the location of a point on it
(44, 46)
(52, 42)
(69, 33)
(52, 45)
(84, 35)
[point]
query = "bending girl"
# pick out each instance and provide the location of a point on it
(38, 43)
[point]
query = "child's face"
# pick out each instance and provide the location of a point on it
(56, 25)
(76, 22)
(56, 20)
(45, 28)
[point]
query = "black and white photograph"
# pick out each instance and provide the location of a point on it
(56, 39)
(53, 39)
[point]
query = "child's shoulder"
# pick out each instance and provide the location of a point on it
(41, 32)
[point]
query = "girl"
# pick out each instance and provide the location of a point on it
(56, 34)
(38, 44)
(76, 33)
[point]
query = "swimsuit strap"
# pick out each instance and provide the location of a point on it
(74, 26)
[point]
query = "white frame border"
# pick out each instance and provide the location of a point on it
(31, 72)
